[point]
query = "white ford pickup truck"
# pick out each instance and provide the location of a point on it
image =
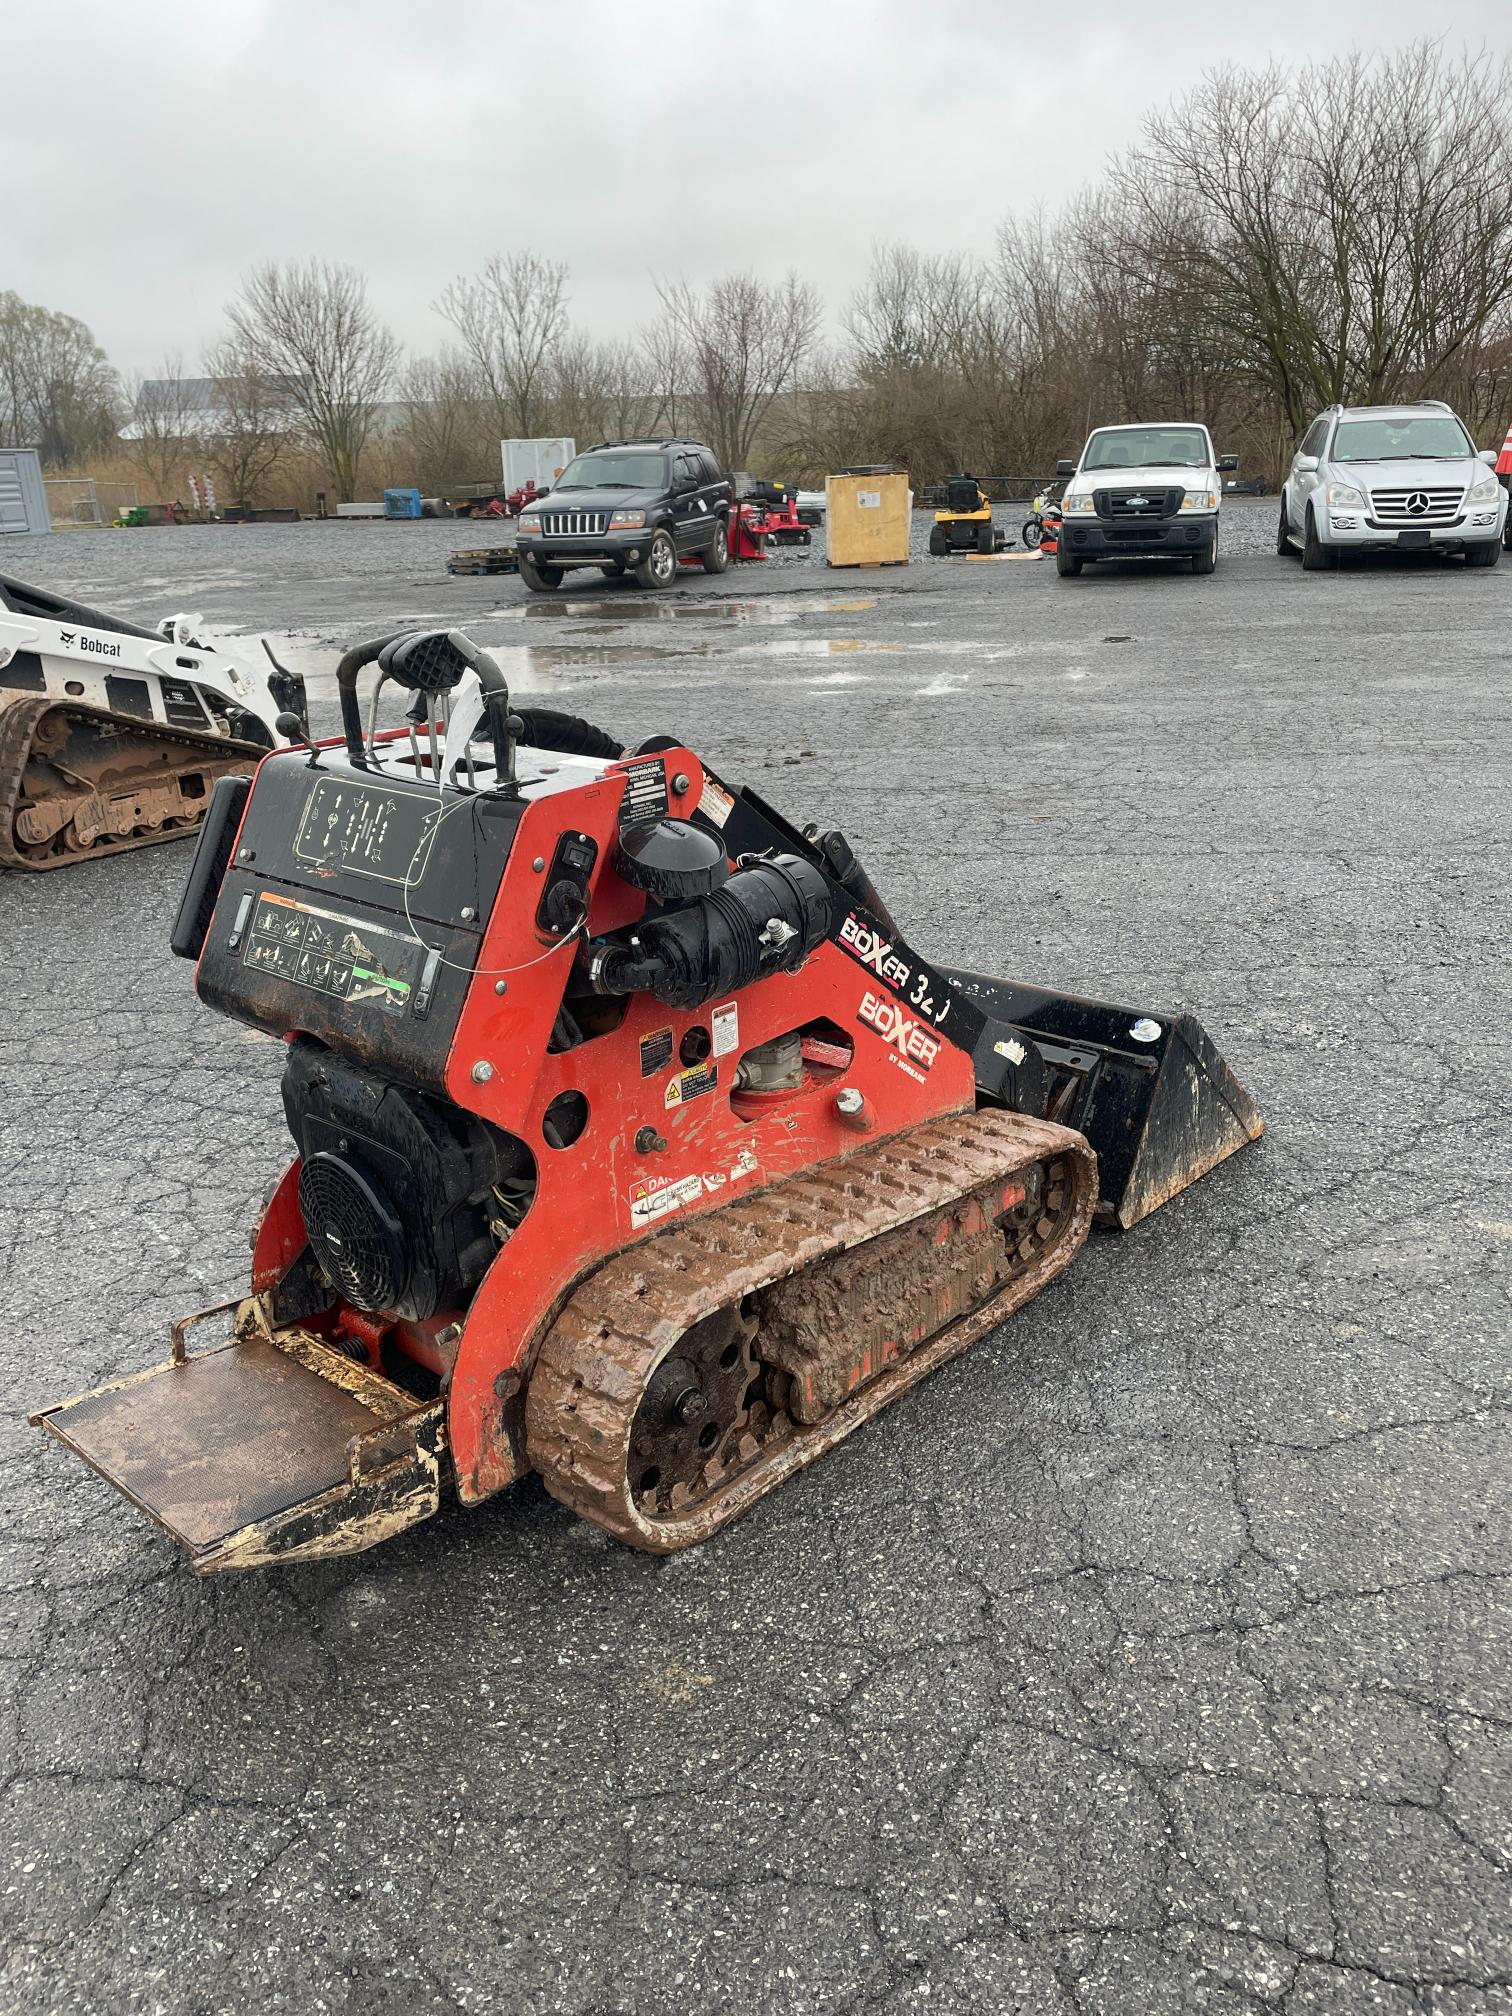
(1151, 490)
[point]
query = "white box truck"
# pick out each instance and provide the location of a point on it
(539, 461)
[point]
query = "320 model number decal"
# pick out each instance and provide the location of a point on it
(922, 989)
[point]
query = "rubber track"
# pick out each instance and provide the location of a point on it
(19, 720)
(596, 1360)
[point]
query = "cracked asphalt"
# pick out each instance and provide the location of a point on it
(1155, 1657)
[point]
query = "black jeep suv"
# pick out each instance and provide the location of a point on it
(633, 507)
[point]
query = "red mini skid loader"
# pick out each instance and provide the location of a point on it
(634, 1145)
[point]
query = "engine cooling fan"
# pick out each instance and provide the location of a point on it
(356, 1238)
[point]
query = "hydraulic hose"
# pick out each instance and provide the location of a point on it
(565, 734)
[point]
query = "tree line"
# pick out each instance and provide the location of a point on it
(1277, 240)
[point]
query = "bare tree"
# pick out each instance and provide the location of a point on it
(745, 341)
(602, 391)
(250, 422)
(311, 328)
(448, 433)
(511, 318)
(667, 371)
(162, 434)
(56, 386)
(1348, 226)
(913, 310)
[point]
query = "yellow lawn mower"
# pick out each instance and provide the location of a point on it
(966, 524)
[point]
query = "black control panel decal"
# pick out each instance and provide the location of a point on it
(339, 956)
(364, 829)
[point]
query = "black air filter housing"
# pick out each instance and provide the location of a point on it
(395, 1187)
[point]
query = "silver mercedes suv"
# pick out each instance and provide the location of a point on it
(1371, 477)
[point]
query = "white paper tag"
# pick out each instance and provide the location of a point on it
(868, 500)
(726, 1026)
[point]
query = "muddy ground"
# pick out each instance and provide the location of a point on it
(1157, 1656)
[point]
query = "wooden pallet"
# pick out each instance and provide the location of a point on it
(484, 560)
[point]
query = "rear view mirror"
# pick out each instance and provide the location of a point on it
(1305, 464)
(1228, 462)
(1065, 468)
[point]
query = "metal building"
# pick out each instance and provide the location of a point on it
(23, 499)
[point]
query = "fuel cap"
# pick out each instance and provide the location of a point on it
(670, 859)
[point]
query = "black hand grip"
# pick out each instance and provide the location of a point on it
(352, 663)
(212, 857)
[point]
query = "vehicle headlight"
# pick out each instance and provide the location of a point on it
(628, 521)
(1483, 490)
(531, 522)
(1074, 504)
(1346, 496)
(1200, 500)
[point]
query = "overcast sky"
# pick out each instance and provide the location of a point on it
(154, 150)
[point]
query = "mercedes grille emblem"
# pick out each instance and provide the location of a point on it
(1417, 503)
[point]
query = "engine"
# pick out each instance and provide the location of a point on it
(404, 1196)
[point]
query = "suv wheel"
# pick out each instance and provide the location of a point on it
(540, 580)
(659, 568)
(717, 558)
(1486, 553)
(1316, 557)
(1284, 544)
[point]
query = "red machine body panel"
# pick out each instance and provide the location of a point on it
(602, 1192)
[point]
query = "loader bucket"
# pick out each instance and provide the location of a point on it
(271, 1447)
(1150, 1092)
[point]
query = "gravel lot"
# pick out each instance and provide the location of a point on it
(1155, 1657)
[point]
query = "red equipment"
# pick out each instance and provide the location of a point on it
(748, 532)
(748, 535)
(780, 520)
(635, 1146)
(509, 506)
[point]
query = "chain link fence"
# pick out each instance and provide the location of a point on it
(81, 500)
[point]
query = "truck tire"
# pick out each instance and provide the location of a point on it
(539, 580)
(1066, 563)
(1316, 557)
(1284, 544)
(659, 568)
(1206, 557)
(717, 559)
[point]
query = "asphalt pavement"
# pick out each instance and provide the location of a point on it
(1154, 1657)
